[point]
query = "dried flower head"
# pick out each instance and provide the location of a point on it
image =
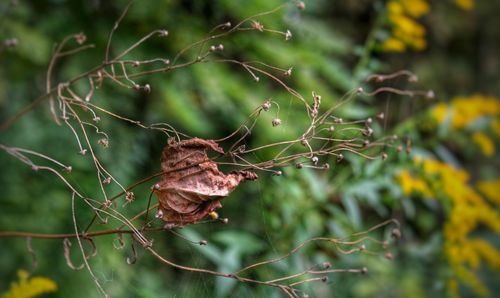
(257, 26)
(104, 142)
(266, 105)
(80, 38)
(276, 122)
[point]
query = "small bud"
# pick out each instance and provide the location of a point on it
(166, 61)
(107, 204)
(314, 160)
(106, 181)
(362, 247)
(212, 48)
(288, 72)
(399, 148)
(388, 255)
(136, 86)
(299, 165)
(257, 26)
(266, 105)
(159, 214)
(288, 35)
(324, 278)
(257, 79)
(213, 215)
(430, 94)
(331, 128)
(103, 142)
(163, 33)
(68, 169)
(366, 143)
(220, 47)
(396, 233)
(340, 157)
(203, 242)
(364, 270)
(80, 38)
(412, 79)
(326, 166)
(10, 43)
(276, 122)
(96, 119)
(316, 97)
(384, 156)
(35, 168)
(380, 116)
(83, 151)
(360, 90)
(368, 132)
(147, 88)
(277, 173)
(169, 226)
(300, 5)
(226, 25)
(326, 265)
(224, 220)
(136, 63)
(129, 196)
(156, 186)
(369, 121)
(338, 120)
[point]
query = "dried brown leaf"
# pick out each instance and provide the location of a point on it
(192, 185)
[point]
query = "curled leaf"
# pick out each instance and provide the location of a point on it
(192, 185)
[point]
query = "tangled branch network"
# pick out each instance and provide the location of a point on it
(191, 184)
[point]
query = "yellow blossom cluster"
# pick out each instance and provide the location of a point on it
(406, 31)
(465, 4)
(490, 189)
(461, 112)
(468, 210)
(28, 287)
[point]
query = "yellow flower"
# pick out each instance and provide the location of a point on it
(465, 4)
(485, 143)
(465, 110)
(406, 32)
(30, 287)
(468, 211)
(415, 8)
(410, 185)
(490, 189)
(452, 286)
(495, 126)
(394, 8)
(440, 112)
(393, 45)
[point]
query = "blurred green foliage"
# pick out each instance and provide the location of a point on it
(210, 100)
